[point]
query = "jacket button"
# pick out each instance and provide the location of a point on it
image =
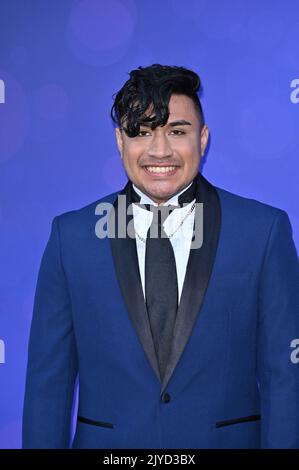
(166, 398)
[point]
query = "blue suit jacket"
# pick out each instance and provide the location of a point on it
(230, 380)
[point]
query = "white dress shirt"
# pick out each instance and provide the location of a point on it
(181, 240)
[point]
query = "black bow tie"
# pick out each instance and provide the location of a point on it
(161, 212)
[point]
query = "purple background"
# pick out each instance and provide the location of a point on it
(61, 61)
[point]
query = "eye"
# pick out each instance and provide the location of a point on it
(141, 132)
(177, 130)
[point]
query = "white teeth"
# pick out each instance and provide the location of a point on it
(157, 169)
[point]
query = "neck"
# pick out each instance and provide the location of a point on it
(161, 201)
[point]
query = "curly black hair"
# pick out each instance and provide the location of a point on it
(153, 86)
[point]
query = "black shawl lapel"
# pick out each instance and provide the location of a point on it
(198, 272)
(199, 268)
(125, 259)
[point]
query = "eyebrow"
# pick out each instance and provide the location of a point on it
(180, 122)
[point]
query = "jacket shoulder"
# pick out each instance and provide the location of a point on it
(88, 209)
(78, 221)
(245, 207)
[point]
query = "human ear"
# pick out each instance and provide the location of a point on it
(119, 140)
(204, 137)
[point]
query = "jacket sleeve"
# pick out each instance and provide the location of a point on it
(278, 326)
(52, 357)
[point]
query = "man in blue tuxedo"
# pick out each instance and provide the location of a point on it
(183, 334)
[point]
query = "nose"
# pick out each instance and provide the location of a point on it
(159, 146)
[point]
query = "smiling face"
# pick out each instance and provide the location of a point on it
(163, 161)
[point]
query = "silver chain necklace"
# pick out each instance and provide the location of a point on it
(180, 224)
